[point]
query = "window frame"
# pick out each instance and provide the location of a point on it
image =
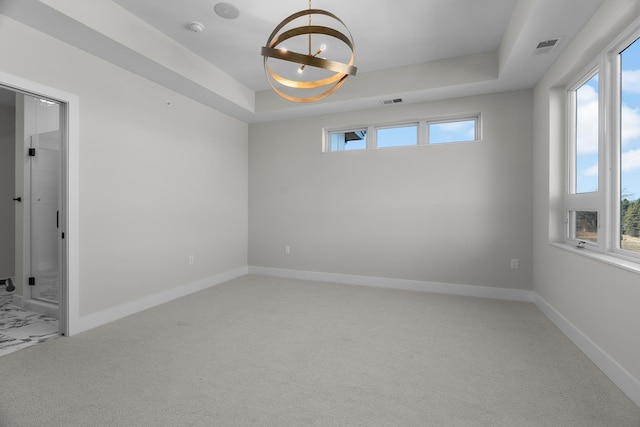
(612, 59)
(587, 201)
(607, 200)
(422, 128)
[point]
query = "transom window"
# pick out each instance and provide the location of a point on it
(397, 136)
(348, 140)
(405, 134)
(453, 131)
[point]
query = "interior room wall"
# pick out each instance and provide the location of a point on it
(600, 300)
(7, 180)
(450, 213)
(162, 177)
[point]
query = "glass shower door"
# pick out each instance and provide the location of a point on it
(44, 155)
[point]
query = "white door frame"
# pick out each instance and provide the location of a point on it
(69, 313)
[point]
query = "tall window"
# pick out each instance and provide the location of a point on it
(629, 158)
(602, 202)
(583, 202)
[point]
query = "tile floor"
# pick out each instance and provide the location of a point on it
(20, 328)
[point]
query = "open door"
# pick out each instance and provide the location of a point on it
(43, 153)
(39, 166)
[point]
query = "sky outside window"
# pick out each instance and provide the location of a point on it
(587, 118)
(458, 131)
(397, 136)
(630, 122)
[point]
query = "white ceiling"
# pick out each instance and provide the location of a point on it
(392, 38)
(387, 33)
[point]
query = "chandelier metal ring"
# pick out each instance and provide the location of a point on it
(341, 71)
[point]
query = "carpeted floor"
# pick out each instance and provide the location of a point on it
(260, 351)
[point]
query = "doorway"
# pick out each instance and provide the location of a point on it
(70, 321)
(34, 261)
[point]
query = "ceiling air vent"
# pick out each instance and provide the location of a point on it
(546, 46)
(392, 101)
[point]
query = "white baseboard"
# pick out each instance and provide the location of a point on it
(616, 373)
(93, 320)
(411, 285)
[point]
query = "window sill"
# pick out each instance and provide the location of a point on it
(623, 263)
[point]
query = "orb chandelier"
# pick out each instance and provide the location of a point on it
(315, 77)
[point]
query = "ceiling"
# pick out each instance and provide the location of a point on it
(402, 46)
(387, 33)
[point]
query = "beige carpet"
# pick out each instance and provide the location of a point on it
(259, 351)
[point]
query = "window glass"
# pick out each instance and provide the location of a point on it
(397, 136)
(630, 148)
(404, 134)
(586, 137)
(604, 161)
(452, 131)
(350, 140)
(584, 225)
(630, 225)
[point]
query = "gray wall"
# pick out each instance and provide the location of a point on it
(7, 182)
(157, 183)
(598, 299)
(454, 213)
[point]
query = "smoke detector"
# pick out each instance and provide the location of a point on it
(195, 26)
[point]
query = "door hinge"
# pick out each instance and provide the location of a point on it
(32, 152)
(32, 281)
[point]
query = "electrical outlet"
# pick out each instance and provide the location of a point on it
(514, 264)
(287, 249)
(191, 260)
